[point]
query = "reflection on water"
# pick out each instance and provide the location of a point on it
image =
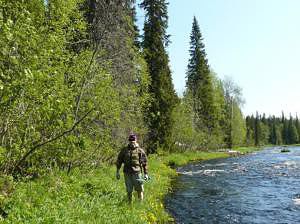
(260, 188)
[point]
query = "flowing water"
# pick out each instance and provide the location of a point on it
(263, 187)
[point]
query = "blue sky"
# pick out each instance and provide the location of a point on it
(256, 42)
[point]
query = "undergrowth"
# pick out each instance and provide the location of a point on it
(95, 196)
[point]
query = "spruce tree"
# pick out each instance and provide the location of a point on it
(132, 10)
(164, 97)
(250, 124)
(273, 136)
(292, 132)
(199, 82)
(297, 124)
(285, 132)
(279, 140)
(257, 130)
(113, 36)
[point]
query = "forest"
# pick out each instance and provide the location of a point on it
(78, 76)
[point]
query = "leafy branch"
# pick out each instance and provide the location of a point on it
(19, 164)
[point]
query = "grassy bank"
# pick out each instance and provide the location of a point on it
(95, 196)
(246, 150)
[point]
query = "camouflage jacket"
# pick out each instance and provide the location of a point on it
(134, 159)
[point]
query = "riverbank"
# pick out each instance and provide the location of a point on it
(259, 188)
(95, 196)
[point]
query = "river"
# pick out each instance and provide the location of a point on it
(263, 187)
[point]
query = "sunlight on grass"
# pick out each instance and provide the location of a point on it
(95, 196)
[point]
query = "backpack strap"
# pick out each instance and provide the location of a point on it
(142, 160)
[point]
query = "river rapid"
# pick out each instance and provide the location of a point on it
(263, 187)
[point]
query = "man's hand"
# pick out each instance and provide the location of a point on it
(146, 177)
(118, 175)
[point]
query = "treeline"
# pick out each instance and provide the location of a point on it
(76, 79)
(272, 130)
(77, 76)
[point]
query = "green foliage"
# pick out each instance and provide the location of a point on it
(179, 159)
(272, 130)
(184, 135)
(48, 86)
(250, 124)
(293, 136)
(161, 86)
(215, 103)
(74, 84)
(244, 149)
(7, 187)
(113, 34)
(95, 196)
(238, 127)
(234, 123)
(200, 84)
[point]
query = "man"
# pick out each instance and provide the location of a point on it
(135, 163)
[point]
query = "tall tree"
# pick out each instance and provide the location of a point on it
(292, 132)
(164, 98)
(199, 82)
(113, 35)
(297, 124)
(285, 130)
(220, 106)
(250, 124)
(235, 127)
(257, 130)
(273, 135)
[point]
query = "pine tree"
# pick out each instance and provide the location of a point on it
(292, 132)
(132, 10)
(264, 119)
(297, 124)
(285, 132)
(257, 130)
(164, 97)
(273, 136)
(199, 82)
(282, 117)
(250, 124)
(278, 135)
(114, 39)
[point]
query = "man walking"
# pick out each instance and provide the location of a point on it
(135, 163)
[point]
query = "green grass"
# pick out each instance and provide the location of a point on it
(247, 149)
(95, 196)
(84, 197)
